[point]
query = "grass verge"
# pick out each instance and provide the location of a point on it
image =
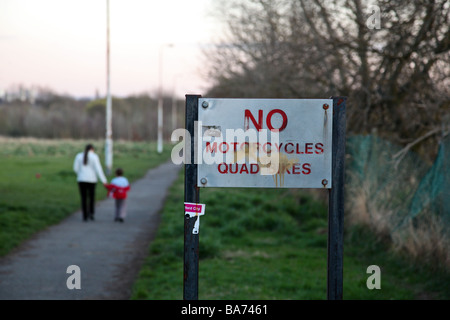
(272, 244)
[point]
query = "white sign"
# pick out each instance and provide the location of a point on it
(264, 143)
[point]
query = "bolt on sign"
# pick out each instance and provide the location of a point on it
(264, 143)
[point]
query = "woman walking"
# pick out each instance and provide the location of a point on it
(87, 167)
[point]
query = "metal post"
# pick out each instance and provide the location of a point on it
(174, 105)
(336, 203)
(108, 142)
(160, 102)
(174, 111)
(160, 99)
(191, 194)
(160, 125)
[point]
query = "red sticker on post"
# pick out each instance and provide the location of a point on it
(194, 209)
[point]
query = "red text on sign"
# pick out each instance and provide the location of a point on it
(253, 168)
(248, 116)
(289, 148)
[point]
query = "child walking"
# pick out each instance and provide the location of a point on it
(119, 187)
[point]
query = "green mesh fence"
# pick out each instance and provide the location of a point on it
(433, 192)
(389, 192)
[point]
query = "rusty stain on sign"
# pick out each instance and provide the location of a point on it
(284, 165)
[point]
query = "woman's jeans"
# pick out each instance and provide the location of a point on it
(87, 193)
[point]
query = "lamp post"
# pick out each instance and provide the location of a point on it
(174, 112)
(174, 103)
(108, 142)
(160, 98)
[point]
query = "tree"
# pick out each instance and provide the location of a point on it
(391, 58)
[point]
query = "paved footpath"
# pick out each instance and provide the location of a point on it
(109, 254)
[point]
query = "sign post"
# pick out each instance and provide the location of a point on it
(192, 195)
(336, 203)
(265, 143)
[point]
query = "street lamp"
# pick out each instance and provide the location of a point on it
(108, 142)
(160, 97)
(174, 100)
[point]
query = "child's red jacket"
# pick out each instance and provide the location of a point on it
(117, 192)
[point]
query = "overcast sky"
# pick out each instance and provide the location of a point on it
(61, 44)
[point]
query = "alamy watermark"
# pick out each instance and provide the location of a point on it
(228, 146)
(74, 280)
(374, 20)
(374, 280)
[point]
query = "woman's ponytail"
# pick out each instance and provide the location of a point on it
(86, 150)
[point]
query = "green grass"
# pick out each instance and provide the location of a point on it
(272, 244)
(254, 243)
(29, 204)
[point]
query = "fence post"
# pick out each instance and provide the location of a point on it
(191, 194)
(336, 203)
